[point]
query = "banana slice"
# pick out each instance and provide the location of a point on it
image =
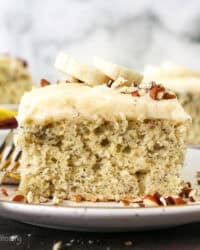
(82, 72)
(6, 113)
(115, 71)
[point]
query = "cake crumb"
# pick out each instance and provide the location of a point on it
(57, 245)
(68, 244)
(128, 243)
(4, 192)
(198, 173)
(57, 201)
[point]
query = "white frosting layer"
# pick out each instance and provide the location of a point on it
(173, 76)
(55, 102)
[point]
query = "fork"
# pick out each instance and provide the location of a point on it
(9, 160)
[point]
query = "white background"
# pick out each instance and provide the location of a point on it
(130, 32)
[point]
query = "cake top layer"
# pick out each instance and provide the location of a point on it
(173, 76)
(77, 101)
(12, 68)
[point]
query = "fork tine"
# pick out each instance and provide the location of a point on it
(2, 146)
(17, 156)
(7, 150)
(9, 158)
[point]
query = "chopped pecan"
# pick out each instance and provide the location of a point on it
(185, 192)
(175, 200)
(18, 198)
(157, 196)
(135, 93)
(191, 199)
(125, 202)
(169, 200)
(44, 82)
(155, 90)
(167, 96)
(150, 201)
(179, 201)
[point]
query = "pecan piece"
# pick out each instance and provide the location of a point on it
(135, 93)
(179, 201)
(125, 202)
(155, 90)
(185, 192)
(150, 201)
(168, 96)
(44, 82)
(18, 198)
(169, 200)
(191, 199)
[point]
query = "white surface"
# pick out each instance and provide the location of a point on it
(129, 32)
(90, 216)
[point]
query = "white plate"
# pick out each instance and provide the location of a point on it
(108, 216)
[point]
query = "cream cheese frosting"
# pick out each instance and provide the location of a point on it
(173, 76)
(72, 101)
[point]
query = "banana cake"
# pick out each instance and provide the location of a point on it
(14, 79)
(185, 83)
(94, 143)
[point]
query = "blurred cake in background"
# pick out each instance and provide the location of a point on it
(15, 79)
(186, 83)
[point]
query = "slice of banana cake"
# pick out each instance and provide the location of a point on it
(15, 79)
(185, 83)
(97, 144)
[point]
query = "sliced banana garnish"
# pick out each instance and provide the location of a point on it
(115, 71)
(85, 73)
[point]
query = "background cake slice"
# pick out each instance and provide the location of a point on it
(186, 83)
(96, 144)
(14, 79)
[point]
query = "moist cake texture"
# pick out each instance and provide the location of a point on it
(97, 144)
(186, 83)
(14, 79)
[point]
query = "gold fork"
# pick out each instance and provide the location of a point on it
(9, 160)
